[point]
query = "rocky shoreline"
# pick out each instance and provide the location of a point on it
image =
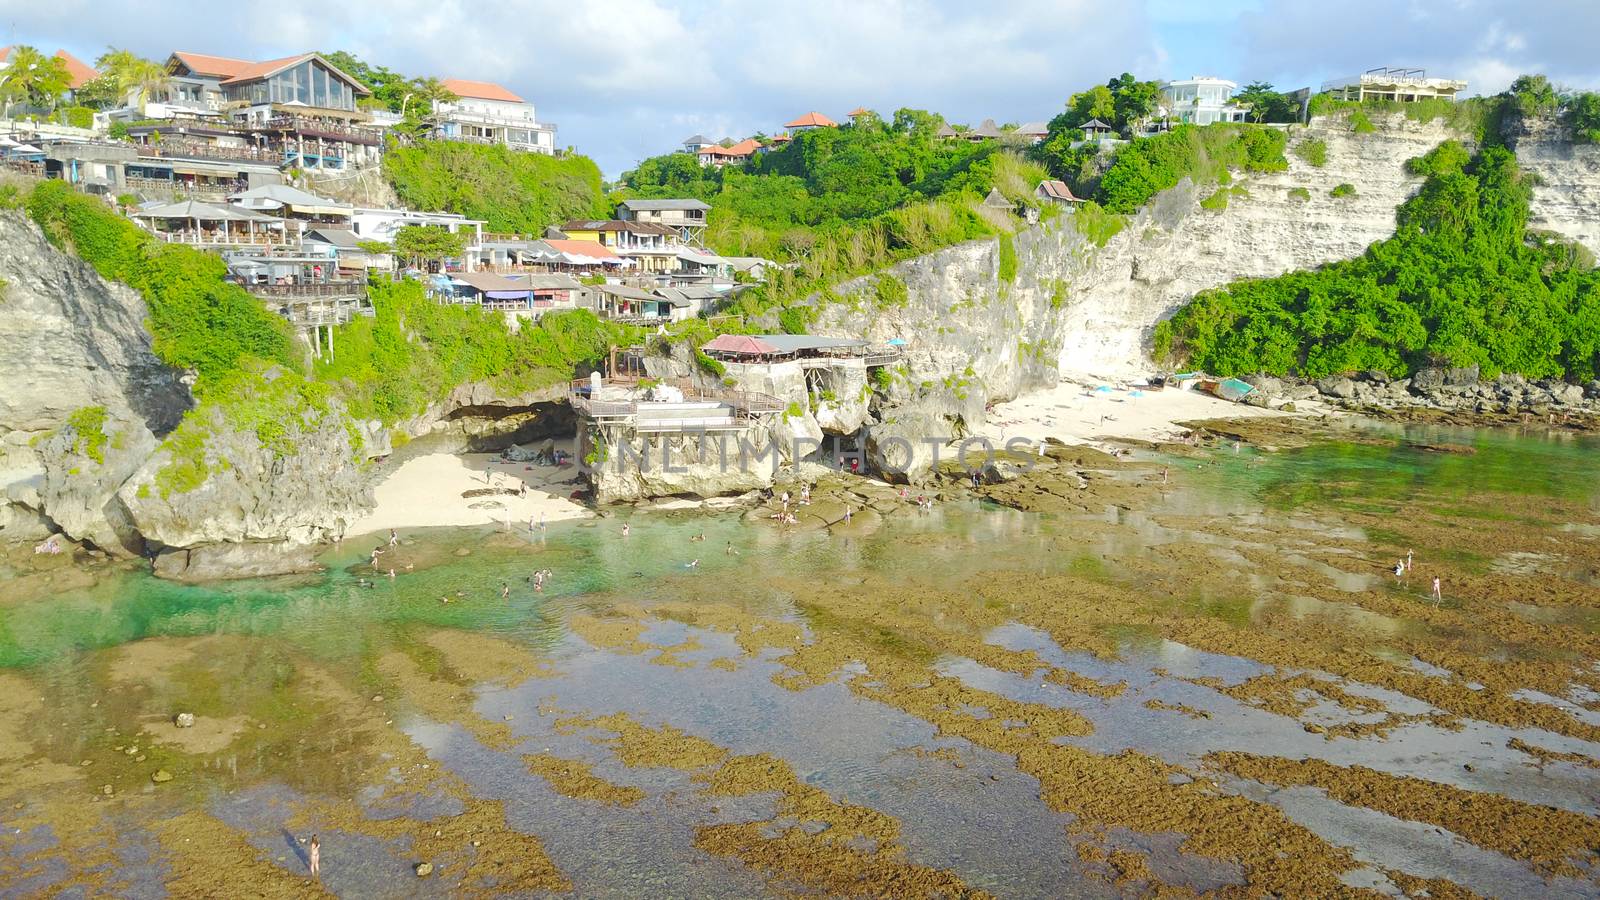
(1455, 396)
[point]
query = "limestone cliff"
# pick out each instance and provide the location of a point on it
(72, 342)
(1566, 192)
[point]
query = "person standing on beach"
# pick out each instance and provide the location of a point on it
(394, 538)
(1399, 569)
(1438, 596)
(1408, 560)
(316, 857)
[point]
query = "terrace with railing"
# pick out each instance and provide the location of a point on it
(701, 409)
(325, 290)
(319, 127)
(181, 149)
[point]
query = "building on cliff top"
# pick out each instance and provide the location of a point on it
(486, 113)
(1201, 100)
(1399, 84)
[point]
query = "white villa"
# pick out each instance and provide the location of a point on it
(1394, 83)
(1202, 100)
(487, 113)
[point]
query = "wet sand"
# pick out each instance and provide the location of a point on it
(448, 489)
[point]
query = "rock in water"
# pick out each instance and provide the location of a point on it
(161, 776)
(184, 720)
(423, 869)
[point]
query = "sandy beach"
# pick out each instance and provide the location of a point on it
(1075, 412)
(427, 492)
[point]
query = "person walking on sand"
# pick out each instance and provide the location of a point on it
(1408, 560)
(1438, 596)
(315, 857)
(394, 538)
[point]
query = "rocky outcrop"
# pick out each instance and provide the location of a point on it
(252, 559)
(715, 464)
(80, 485)
(904, 447)
(72, 342)
(1452, 394)
(219, 483)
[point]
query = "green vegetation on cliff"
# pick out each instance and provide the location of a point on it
(413, 351)
(836, 184)
(511, 191)
(840, 202)
(198, 320)
(1461, 282)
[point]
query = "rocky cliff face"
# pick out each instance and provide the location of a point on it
(71, 342)
(1566, 195)
(1078, 307)
(1272, 224)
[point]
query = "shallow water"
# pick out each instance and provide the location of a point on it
(1281, 544)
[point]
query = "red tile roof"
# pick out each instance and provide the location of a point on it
(480, 90)
(1056, 190)
(220, 66)
(746, 147)
(780, 139)
(812, 120)
(262, 69)
(80, 72)
(582, 248)
(859, 111)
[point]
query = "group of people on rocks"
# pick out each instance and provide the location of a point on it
(1403, 567)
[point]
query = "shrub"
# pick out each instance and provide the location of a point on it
(1148, 166)
(1217, 202)
(1096, 224)
(89, 436)
(1446, 159)
(1360, 124)
(510, 191)
(796, 319)
(1301, 194)
(708, 364)
(1007, 256)
(1344, 189)
(890, 292)
(1058, 293)
(1313, 150)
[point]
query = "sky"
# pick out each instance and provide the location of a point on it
(628, 79)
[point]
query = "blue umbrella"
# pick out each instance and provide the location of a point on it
(896, 342)
(1103, 389)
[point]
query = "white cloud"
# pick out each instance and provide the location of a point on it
(626, 79)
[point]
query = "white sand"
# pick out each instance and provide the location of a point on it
(1071, 413)
(426, 492)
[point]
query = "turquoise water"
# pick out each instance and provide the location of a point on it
(857, 750)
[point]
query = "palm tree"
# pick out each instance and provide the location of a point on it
(133, 74)
(30, 75)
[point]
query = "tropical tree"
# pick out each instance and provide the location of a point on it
(428, 243)
(33, 78)
(1266, 104)
(133, 75)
